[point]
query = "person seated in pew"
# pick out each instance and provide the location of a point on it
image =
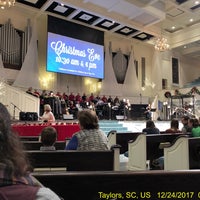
(196, 128)
(185, 128)
(174, 127)
(90, 137)
(151, 128)
(191, 124)
(16, 181)
(48, 138)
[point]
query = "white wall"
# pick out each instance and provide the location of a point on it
(16, 101)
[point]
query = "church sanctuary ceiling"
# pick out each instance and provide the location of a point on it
(142, 20)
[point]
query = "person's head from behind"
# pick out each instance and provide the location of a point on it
(88, 119)
(195, 123)
(11, 148)
(184, 120)
(47, 108)
(48, 136)
(150, 124)
(175, 124)
(191, 122)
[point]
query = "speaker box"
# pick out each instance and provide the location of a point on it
(31, 116)
(28, 116)
(22, 116)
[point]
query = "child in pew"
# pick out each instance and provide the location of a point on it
(48, 138)
(16, 181)
(90, 137)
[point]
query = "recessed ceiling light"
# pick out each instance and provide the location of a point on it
(191, 20)
(196, 2)
(173, 27)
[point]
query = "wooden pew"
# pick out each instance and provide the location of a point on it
(29, 138)
(153, 144)
(74, 160)
(121, 139)
(147, 147)
(137, 153)
(183, 154)
(153, 141)
(35, 145)
(150, 185)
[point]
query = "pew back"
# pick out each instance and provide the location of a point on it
(74, 160)
(147, 147)
(29, 138)
(194, 153)
(154, 141)
(183, 154)
(35, 145)
(142, 184)
(122, 139)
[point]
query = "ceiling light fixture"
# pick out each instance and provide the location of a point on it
(6, 3)
(161, 44)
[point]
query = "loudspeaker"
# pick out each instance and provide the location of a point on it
(22, 116)
(28, 116)
(31, 116)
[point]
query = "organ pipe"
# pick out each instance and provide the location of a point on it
(14, 43)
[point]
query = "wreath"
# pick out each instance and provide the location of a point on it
(168, 94)
(193, 91)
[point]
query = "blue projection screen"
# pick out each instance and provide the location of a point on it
(76, 57)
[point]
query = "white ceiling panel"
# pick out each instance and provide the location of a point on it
(105, 3)
(32, 1)
(145, 19)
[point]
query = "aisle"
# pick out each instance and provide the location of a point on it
(137, 126)
(131, 126)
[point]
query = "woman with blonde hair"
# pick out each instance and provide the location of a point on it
(47, 116)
